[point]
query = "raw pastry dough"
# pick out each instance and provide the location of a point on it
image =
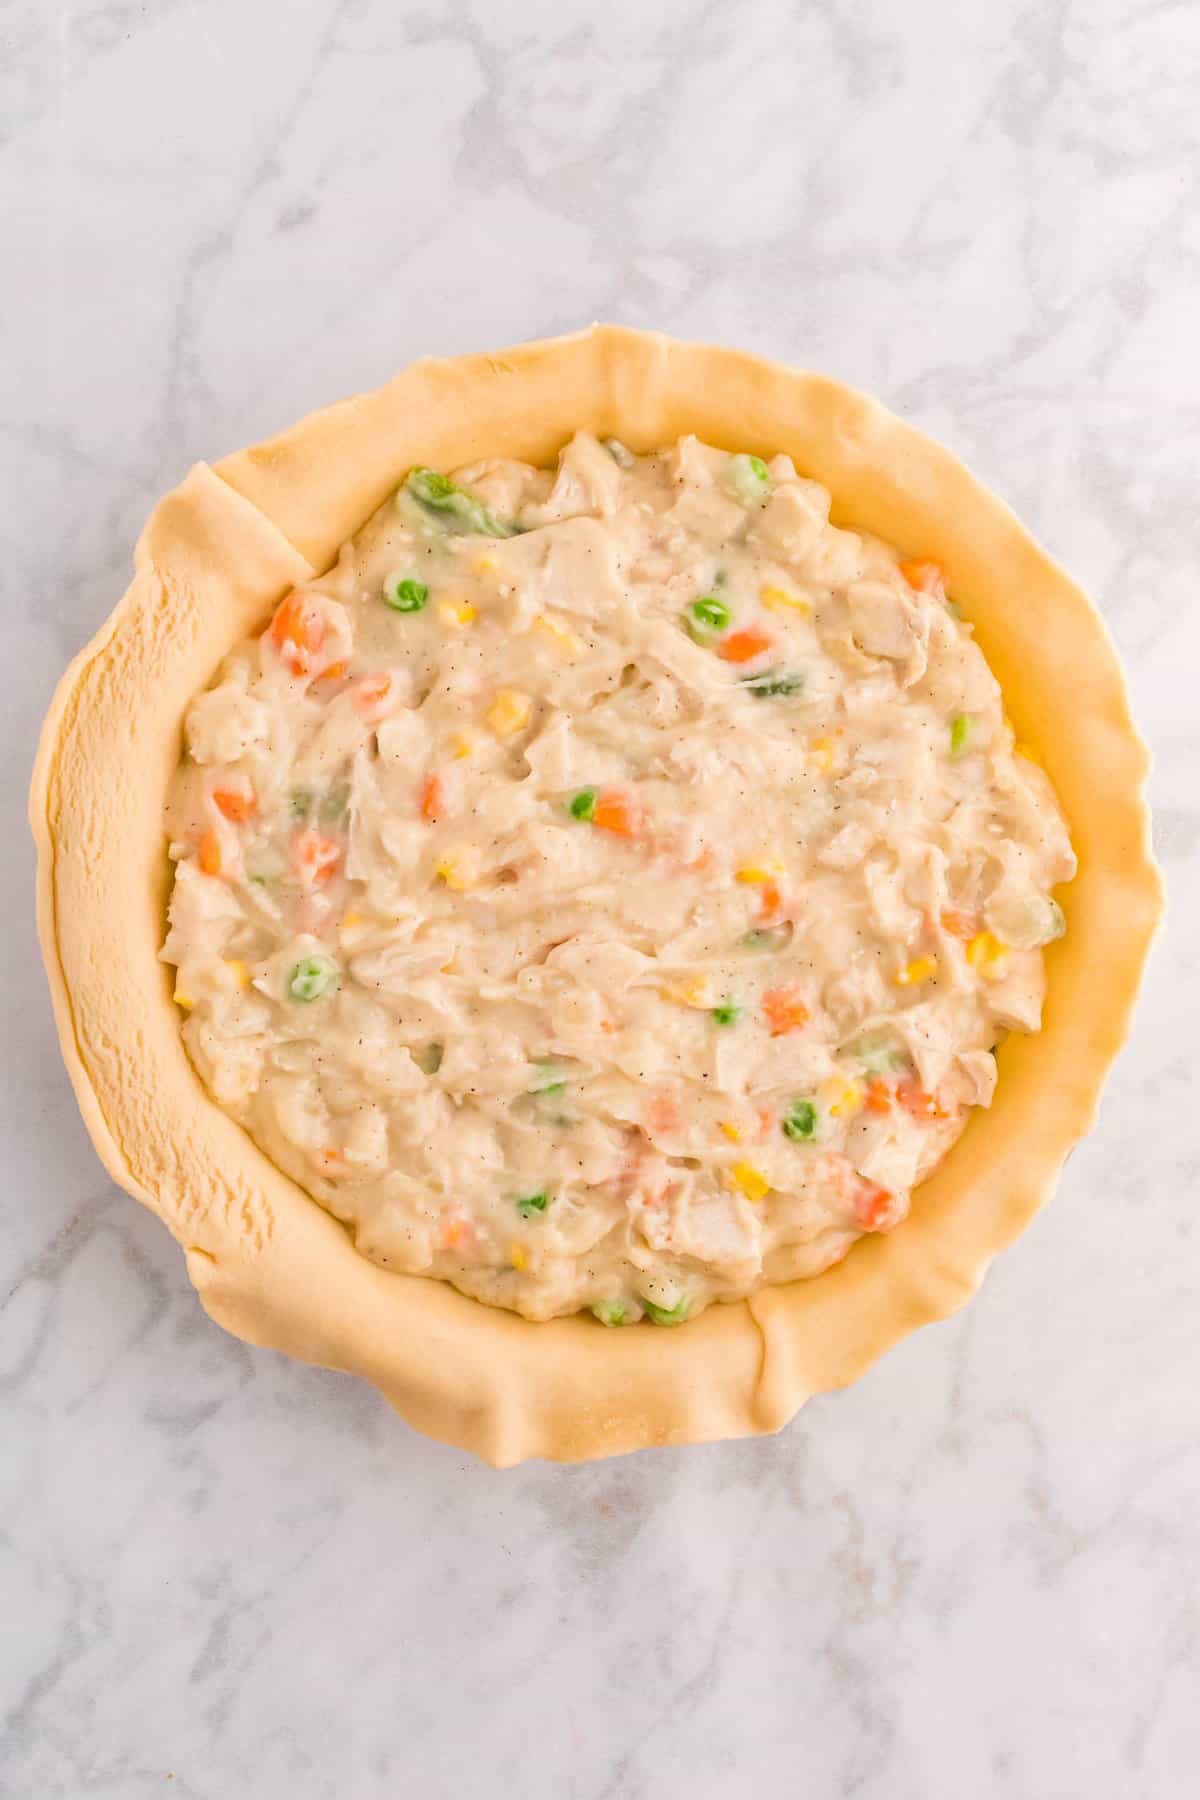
(270, 1265)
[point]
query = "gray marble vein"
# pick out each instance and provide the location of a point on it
(978, 1571)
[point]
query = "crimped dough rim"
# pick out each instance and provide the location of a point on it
(269, 1264)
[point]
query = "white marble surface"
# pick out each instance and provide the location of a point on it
(225, 1575)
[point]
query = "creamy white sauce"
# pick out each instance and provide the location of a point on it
(631, 921)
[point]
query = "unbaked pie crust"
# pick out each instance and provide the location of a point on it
(269, 1264)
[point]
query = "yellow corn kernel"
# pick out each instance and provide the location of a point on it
(355, 931)
(458, 870)
(731, 1131)
(560, 635)
(696, 990)
(518, 1256)
(238, 970)
(986, 953)
(456, 612)
(184, 1000)
(842, 1098)
(821, 753)
(752, 1182)
(463, 745)
(509, 712)
(922, 968)
(1029, 753)
(777, 599)
(756, 874)
(486, 565)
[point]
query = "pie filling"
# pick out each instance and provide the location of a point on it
(607, 887)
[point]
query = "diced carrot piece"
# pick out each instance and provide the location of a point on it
(620, 812)
(918, 1103)
(237, 806)
(766, 1122)
(624, 1173)
(769, 900)
(457, 1234)
(334, 672)
(372, 694)
(314, 856)
(959, 924)
(209, 853)
(662, 1113)
(879, 1095)
(744, 646)
(784, 1010)
(925, 577)
(297, 632)
(433, 798)
(877, 1209)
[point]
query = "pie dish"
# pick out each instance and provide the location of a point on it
(217, 557)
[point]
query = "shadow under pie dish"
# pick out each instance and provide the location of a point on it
(716, 459)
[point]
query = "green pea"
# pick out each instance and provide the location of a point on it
(801, 1122)
(430, 487)
(611, 1312)
(403, 594)
(877, 1054)
(706, 617)
(773, 684)
(333, 806)
(549, 1079)
(264, 865)
(774, 938)
(529, 1204)
(312, 977)
(962, 730)
(669, 1315)
(438, 494)
(583, 806)
(749, 478)
(726, 1014)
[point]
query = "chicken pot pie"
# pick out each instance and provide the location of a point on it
(607, 880)
(607, 887)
